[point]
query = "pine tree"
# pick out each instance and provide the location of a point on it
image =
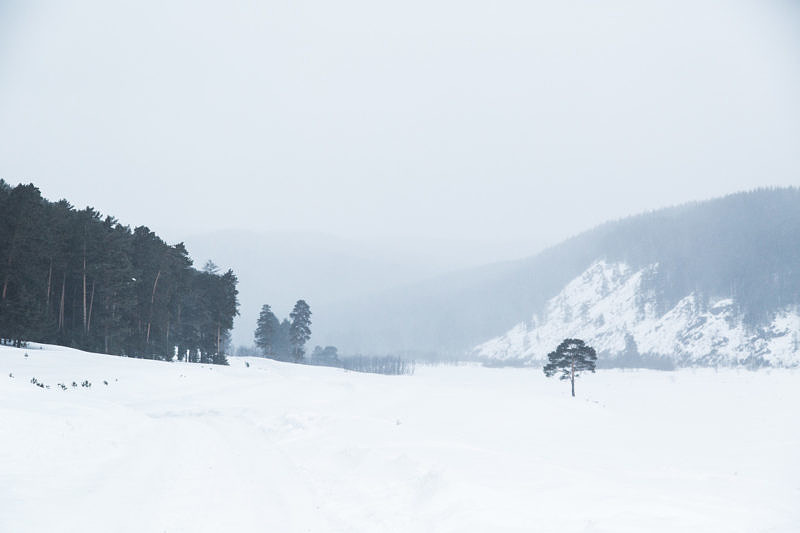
(22, 268)
(225, 309)
(283, 345)
(300, 330)
(328, 356)
(571, 358)
(267, 330)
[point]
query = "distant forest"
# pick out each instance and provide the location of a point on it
(75, 278)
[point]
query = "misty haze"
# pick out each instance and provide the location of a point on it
(425, 266)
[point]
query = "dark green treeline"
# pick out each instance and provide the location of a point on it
(75, 278)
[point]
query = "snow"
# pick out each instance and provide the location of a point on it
(277, 447)
(608, 303)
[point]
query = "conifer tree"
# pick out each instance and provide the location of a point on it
(283, 346)
(571, 358)
(267, 331)
(300, 330)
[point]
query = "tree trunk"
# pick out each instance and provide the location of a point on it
(152, 302)
(91, 304)
(61, 305)
(8, 264)
(84, 286)
(573, 378)
(5, 282)
(170, 350)
(155, 284)
(49, 286)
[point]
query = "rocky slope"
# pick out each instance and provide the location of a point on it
(612, 307)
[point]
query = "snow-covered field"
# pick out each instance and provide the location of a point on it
(168, 447)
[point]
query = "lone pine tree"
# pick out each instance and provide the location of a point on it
(571, 358)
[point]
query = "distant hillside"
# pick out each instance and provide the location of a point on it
(611, 308)
(744, 247)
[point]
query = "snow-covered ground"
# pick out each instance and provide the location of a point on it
(277, 447)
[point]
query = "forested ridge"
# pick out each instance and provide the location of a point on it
(744, 246)
(80, 279)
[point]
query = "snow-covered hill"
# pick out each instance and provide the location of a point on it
(745, 245)
(271, 446)
(611, 308)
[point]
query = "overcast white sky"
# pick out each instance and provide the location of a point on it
(414, 121)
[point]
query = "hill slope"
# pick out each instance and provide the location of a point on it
(745, 246)
(610, 307)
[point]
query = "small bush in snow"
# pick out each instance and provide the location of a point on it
(86, 383)
(74, 384)
(105, 382)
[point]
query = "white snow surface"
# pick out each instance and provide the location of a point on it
(182, 447)
(608, 303)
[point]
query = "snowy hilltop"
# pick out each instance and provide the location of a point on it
(612, 307)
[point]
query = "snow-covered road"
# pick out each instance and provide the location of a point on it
(278, 447)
